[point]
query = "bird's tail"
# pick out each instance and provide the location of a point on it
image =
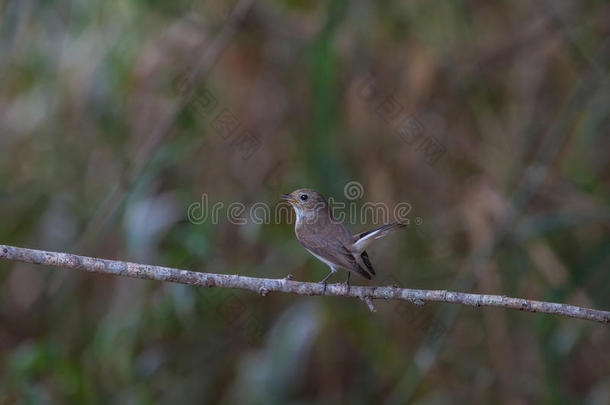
(364, 239)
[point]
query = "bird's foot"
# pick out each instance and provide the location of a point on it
(325, 279)
(347, 281)
(323, 282)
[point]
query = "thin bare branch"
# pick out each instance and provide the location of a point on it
(263, 286)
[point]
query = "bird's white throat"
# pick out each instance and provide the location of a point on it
(302, 215)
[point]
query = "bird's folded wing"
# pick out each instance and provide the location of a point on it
(335, 253)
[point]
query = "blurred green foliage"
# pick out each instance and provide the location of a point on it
(102, 154)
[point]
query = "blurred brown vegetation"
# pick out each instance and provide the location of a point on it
(102, 154)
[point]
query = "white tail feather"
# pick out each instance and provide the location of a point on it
(368, 237)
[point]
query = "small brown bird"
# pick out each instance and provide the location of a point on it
(330, 241)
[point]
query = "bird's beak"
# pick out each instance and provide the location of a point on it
(287, 197)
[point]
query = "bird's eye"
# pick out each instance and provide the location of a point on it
(303, 197)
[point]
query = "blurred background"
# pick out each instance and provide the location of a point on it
(491, 119)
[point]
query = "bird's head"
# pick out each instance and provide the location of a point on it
(305, 201)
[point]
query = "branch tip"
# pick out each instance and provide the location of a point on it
(369, 303)
(417, 302)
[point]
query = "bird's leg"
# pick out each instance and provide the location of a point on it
(332, 271)
(349, 274)
(323, 281)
